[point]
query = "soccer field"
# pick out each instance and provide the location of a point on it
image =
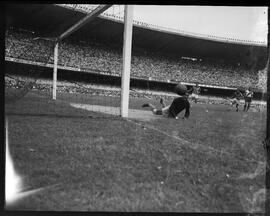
(212, 162)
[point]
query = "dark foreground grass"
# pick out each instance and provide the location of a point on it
(101, 164)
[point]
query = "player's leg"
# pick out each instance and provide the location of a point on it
(196, 98)
(191, 97)
(165, 110)
(248, 106)
(162, 102)
(153, 108)
(245, 106)
(237, 106)
(149, 105)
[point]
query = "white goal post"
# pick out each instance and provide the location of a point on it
(55, 70)
(127, 44)
(89, 17)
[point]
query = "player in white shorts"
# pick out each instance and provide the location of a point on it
(248, 98)
(236, 99)
(195, 93)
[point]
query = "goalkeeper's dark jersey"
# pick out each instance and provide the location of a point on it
(178, 105)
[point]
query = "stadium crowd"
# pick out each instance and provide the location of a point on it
(144, 64)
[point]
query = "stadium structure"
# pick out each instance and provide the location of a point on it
(161, 57)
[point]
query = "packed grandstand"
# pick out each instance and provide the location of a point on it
(99, 57)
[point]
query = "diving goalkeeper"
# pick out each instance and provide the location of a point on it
(178, 105)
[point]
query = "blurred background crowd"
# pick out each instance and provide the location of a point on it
(104, 58)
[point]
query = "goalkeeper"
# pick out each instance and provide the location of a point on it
(177, 106)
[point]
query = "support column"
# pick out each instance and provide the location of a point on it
(127, 44)
(55, 70)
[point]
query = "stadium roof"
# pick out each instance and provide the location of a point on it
(52, 20)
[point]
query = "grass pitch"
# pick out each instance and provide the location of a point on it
(213, 162)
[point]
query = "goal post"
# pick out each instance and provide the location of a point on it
(126, 52)
(267, 139)
(88, 18)
(55, 70)
(127, 44)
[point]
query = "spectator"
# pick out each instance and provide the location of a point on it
(106, 58)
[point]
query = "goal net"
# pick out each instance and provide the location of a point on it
(88, 71)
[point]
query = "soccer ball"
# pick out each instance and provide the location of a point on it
(180, 89)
